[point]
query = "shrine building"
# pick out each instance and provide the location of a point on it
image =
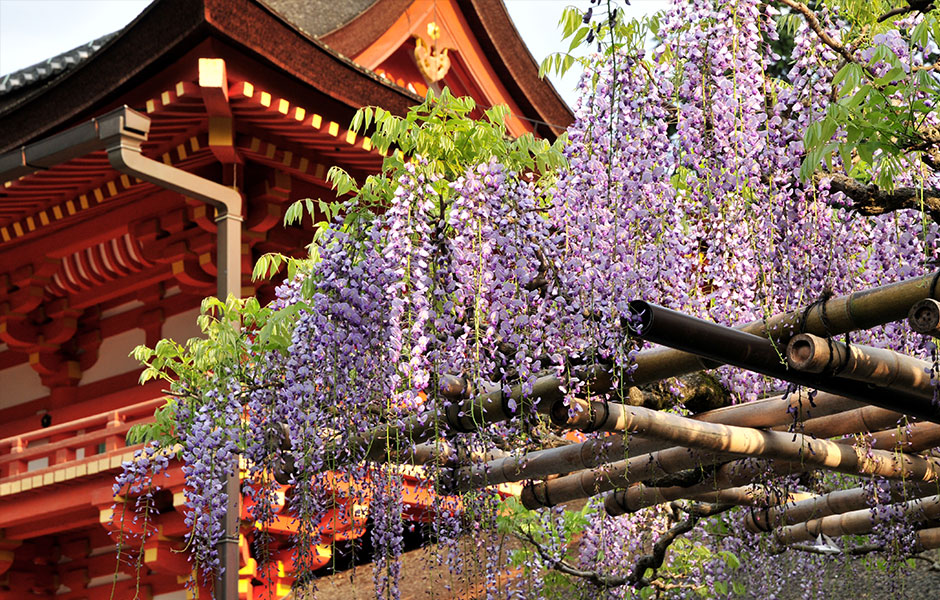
(151, 168)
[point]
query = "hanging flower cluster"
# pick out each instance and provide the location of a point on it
(679, 183)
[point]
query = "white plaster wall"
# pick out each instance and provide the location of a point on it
(182, 326)
(113, 356)
(20, 384)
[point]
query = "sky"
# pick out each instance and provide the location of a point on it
(34, 30)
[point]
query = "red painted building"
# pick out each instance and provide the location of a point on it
(94, 260)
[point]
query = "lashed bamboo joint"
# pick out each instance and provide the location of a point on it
(877, 366)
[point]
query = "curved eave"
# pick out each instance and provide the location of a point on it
(164, 32)
(497, 36)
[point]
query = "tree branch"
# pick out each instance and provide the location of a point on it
(598, 579)
(655, 560)
(812, 21)
(870, 200)
(649, 561)
(922, 6)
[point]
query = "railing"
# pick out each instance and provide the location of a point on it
(73, 441)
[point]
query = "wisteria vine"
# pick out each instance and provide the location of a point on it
(682, 181)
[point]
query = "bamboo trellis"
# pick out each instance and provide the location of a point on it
(875, 415)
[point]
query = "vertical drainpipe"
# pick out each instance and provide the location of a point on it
(124, 155)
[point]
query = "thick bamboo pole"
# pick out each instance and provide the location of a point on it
(778, 411)
(590, 482)
(880, 367)
(489, 407)
(856, 522)
(927, 539)
(713, 341)
(918, 437)
(600, 417)
(743, 441)
(913, 438)
(862, 420)
(640, 496)
(727, 476)
(924, 317)
(841, 314)
(833, 503)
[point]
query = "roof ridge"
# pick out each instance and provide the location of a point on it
(50, 67)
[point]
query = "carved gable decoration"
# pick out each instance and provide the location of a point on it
(433, 61)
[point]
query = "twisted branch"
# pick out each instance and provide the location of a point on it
(870, 200)
(652, 561)
(812, 21)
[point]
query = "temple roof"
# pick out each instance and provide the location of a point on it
(166, 31)
(319, 42)
(313, 17)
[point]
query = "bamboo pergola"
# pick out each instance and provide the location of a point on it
(875, 414)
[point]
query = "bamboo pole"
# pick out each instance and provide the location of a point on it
(880, 367)
(841, 314)
(778, 411)
(855, 522)
(640, 496)
(590, 482)
(664, 326)
(862, 420)
(489, 407)
(833, 503)
(918, 437)
(743, 441)
(924, 317)
(597, 416)
(913, 438)
(726, 476)
(927, 539)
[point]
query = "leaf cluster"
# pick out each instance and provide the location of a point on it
(878, 121)
(611, 31)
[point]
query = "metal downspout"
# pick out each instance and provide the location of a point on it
(125, 156)
(120, 133)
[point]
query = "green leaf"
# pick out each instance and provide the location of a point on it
(810, 162)
(294, 213)
(570, 19)
(893, 74)
(730, 559)
(849, 77)
(578, 37)
(342, 182)
(813, 136)
(858, 97)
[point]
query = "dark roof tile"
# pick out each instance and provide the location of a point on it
(318, 17)
(51, 67)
